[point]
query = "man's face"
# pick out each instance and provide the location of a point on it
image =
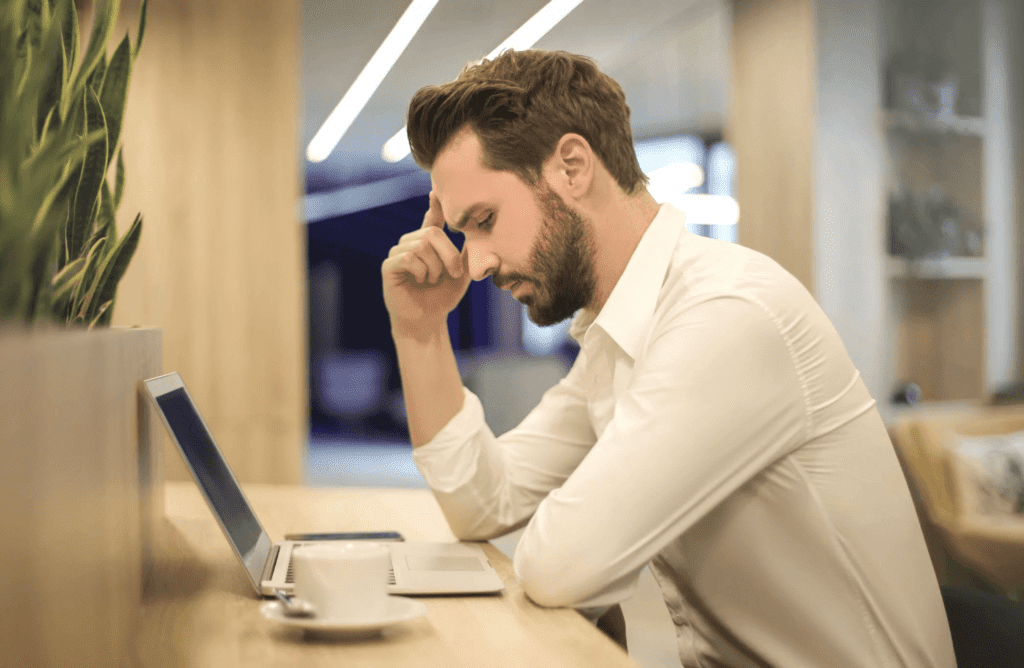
(526, 238)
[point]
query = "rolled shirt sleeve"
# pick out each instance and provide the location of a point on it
(488, 486)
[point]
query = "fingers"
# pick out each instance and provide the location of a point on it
(406, 264)
(434, 216)
(434, 242)
(427, 255)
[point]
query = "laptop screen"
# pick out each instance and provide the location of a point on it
(211, 471)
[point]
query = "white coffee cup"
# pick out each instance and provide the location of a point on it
(346, 581)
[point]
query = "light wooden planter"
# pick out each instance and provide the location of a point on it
(81, 492)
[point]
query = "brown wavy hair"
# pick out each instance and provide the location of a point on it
(520, 104)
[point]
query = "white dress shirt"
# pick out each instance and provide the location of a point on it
(714, 428)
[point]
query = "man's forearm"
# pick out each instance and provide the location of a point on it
(430, 382)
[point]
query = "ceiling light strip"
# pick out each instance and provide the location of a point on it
(328, 136)
(526, 36)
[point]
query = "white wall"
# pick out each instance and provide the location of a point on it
(848, 223)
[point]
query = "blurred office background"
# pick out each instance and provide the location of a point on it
(873, 147)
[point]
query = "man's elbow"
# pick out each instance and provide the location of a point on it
(553, 582)
(470, 532)
(475, 527)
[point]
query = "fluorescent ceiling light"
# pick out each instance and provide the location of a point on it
(707, 209)
(397, 147)
(674, 179)
(369, 79)
(526, 36)
(537, 26)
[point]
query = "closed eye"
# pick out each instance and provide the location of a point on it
(487, 223)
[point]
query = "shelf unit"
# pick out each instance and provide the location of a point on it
(951, 267)
(899, 119)
(948, 316)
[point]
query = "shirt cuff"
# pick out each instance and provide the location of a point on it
(447, 461)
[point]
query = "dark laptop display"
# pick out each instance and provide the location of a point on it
(210, 469)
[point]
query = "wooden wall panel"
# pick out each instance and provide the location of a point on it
(940, 342)
(771, 127)
(212, 161)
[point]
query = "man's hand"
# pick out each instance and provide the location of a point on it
(424, 276)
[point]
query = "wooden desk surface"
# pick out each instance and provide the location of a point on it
(199, 609)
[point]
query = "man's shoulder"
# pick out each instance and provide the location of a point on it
(701, 266)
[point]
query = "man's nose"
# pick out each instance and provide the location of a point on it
(482, 262)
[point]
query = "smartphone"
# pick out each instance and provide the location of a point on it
(384, 536)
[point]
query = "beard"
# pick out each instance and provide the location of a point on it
(561, 262)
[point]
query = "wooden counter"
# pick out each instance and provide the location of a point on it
(199, 609)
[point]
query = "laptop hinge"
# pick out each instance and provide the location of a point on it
(268, 568)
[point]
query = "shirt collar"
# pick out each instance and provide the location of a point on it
(632, 301)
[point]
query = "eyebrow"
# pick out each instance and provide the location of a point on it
(464, 220)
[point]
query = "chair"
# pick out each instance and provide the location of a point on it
(966, 543)
(987, 629)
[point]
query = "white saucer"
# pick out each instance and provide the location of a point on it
(399, 610)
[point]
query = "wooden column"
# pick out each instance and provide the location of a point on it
(771, 127)
(212, 162)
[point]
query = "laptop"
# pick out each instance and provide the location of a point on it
(418, 568)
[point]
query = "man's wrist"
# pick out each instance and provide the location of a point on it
(420, 335)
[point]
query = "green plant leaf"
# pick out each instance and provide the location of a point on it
(115, 93)
(119, 179)
(27, 69)
(44, 15)
(60, 305)
(104, 16)
(41, 252)
(142, 30)
(68, 51)
(67, 149)
(68, 285)
(64, 278)
(104, 320)
(105, 225)
(83, 211)
(52, 50)
(46, 124)
(87, 286)
(41, 291)
(43, 309)
(53, 212)
(95, 80)
(114, 266)
(103, 310)
(70, 30)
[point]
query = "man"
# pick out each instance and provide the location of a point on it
(712, 426)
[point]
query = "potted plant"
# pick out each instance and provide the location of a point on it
(61, 114)
(78, 448)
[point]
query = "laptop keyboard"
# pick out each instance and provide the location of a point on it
(289, 577)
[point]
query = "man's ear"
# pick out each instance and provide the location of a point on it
(573, 164)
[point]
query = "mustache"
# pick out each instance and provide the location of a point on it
(502, 282)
